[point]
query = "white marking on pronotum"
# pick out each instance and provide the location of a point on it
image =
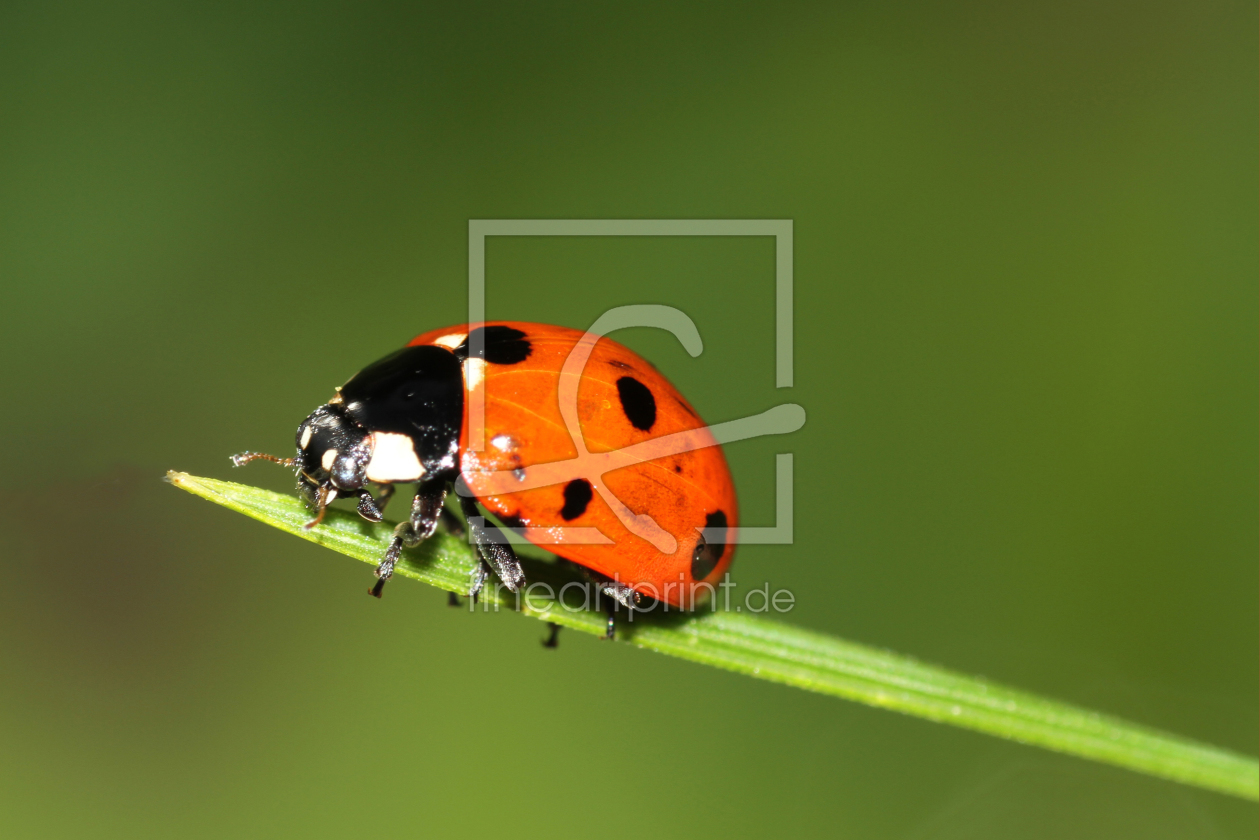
(326, 462)
(450, 342)
(393, 458)
(474, 372)
(306, 436)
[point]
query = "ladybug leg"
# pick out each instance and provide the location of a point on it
(475, 582)
(385, 569)
(493, 547)
(478, 580)
(426, 507)
(553, 640)
(426, 510)
(618, 593)
(369, 508)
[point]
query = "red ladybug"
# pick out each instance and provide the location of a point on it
(586, 448)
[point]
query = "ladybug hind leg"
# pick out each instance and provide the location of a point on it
(426, 509)
(614, 594)
(618, 594)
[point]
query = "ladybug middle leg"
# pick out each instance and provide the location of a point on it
(493, 547)
(426, 509)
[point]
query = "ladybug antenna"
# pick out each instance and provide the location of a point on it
(245, 457)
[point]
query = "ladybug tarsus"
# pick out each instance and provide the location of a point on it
(385, 570)
(492, 545)
(426, 510)
(553, 640)
(452, 600)
(368, 507)
(622, 593)
(618, 593)
(478, 580)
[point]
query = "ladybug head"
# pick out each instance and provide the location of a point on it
(333, 455)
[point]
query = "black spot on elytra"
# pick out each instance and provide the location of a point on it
(637, 402)
(513, 520)
(708, 550)
(502, 345)
(677, 468)
(577, 495)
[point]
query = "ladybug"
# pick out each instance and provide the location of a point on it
(586, 450)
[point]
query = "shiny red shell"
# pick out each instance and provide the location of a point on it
(673, 472)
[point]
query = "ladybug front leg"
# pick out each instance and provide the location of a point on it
(373, 509)
(426, 509)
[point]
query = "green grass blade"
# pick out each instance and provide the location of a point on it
(770, 650)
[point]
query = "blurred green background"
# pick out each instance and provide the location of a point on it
(1026, 339)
